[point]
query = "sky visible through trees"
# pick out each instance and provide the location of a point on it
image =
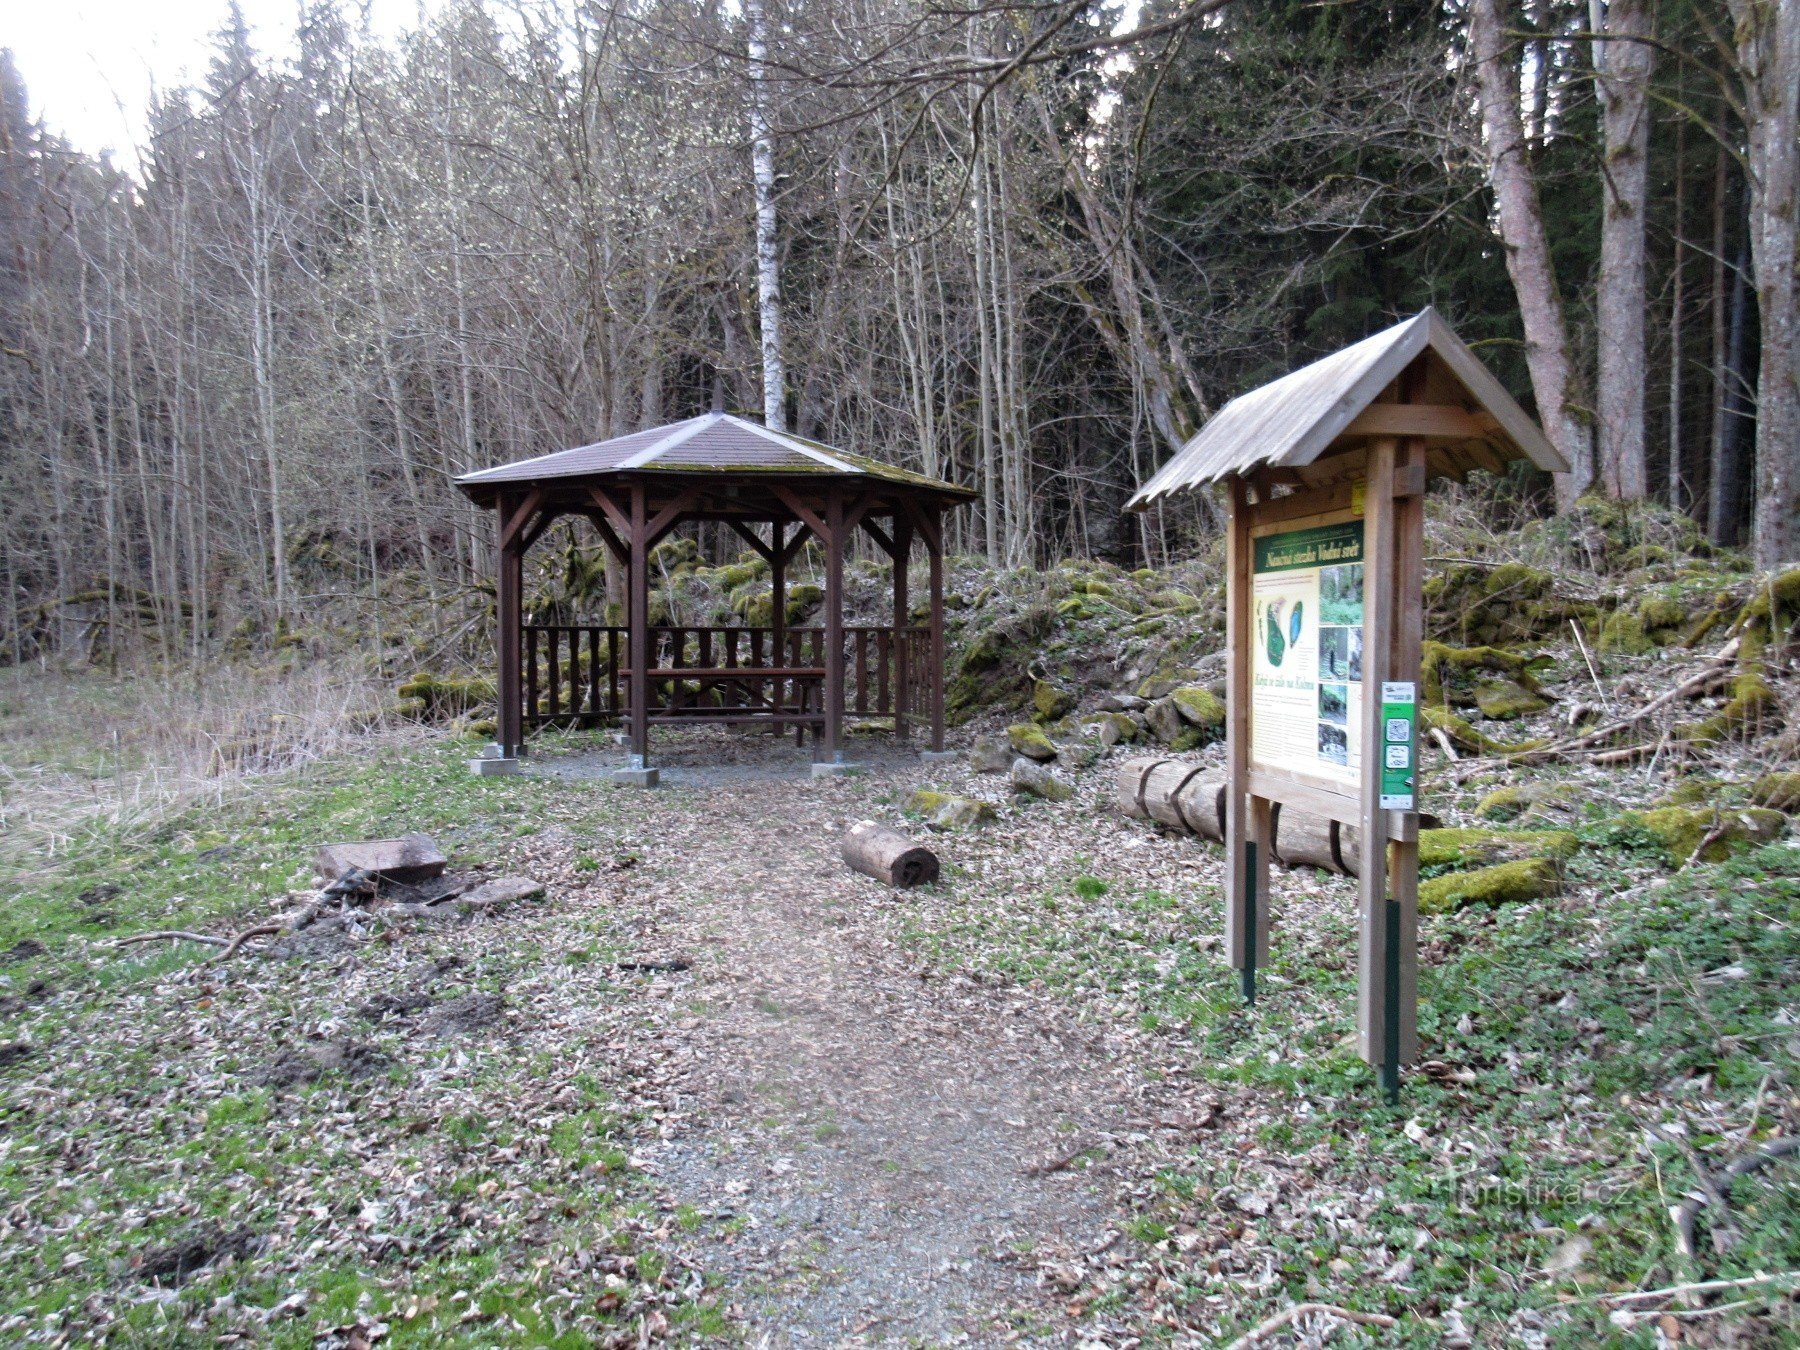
(1000, 245)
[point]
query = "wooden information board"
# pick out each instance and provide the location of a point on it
(1326, 470)
(1324, 620)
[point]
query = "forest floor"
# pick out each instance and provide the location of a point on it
(716, 1088)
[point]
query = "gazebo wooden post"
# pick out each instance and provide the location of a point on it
(638, 620)
(509, 584)
(933, 523)
(903, 532)
(834, 626)
(778, 612)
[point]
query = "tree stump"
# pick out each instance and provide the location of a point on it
(879, 852)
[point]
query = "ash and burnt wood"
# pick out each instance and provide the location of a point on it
(876, 851)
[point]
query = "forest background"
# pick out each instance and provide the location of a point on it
(1026, 246)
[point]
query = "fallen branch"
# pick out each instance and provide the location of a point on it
(171, 935)
(240, 938)
(1269, 1326)
(1716, 665)
(1698, 1287)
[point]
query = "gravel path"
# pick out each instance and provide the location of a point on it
(880, 1154)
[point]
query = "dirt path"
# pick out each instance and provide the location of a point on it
(881, 1155)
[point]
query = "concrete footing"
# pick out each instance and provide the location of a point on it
(493, 766)
(939, 756)
(835, 769)
(644, 778)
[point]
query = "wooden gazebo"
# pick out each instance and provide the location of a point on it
(636, 489)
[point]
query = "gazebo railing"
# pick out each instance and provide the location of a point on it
(573, 673)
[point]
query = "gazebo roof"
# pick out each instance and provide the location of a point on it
(713, 443)
(1292, 422)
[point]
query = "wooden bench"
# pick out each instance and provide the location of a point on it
(754, 705)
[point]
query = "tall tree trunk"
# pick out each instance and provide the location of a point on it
(1622, 64)
(1527, 245)
(768, 254)
(1768, 58)
(1678, 495)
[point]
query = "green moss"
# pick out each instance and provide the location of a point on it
(1450, 672)
(1778, 791)
(1504, 700)
(1679, 830)
(1659, 615)
(1623, 634)
(1503, 804)
(1505, 883)
(1465, 848)
(1464, 735)
(430, 697)
(1189, 738)
(1030, 742)
(1199, 705)
(1693, 792)
(1117, 728)
(1050, 702)
(947, 811)
(1751, 701)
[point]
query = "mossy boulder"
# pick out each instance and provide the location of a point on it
(1503, 700)
(990, 754)
(1030, 741)
(1504, 804)
(1034, 780)
(1623, 634)
(948, 811)
(1752, 705)
(1778, 791)
(1679, 830)
(1117, 728)
(1050, 702)
(993, 670)
(1453, 674)
(1530, 801)
(1469, 847)
(1199, 707)
(1506, 883)
(1464, 735)
(675, 554)
(1164, 720)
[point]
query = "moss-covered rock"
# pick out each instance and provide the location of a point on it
(1030, 741)
(1034, 780)
(990, 754)
(1050, 702)
(1164, 720)
(1504, 883)
(1679, 830)
(1199, 706)
(1504, 804)
(1117, 728)
(1466, 737)
(1745, 714)
(1503, 700)
(1523, 802)
(1468, 847)
(948, 811)
(1623, 634)
(993, 671)
(1778, 791)
(1453, 675)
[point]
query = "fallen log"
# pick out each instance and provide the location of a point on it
(887, 856)
(1191, 798)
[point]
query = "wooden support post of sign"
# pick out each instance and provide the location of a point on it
(1246, 819)
(1393, 536)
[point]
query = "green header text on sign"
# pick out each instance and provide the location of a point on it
(1322, 546)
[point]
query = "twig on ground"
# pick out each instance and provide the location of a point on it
(1707, 840)
(171, 935)
(240, 938)
(1698, 1287)
(1593, 674)
(1268, 1326)
(1061, 1164)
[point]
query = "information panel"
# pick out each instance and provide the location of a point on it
(1307, 636)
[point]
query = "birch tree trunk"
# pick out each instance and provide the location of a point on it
(1528, 263)
(1622, 64)
(1768, 58)
(768, 256)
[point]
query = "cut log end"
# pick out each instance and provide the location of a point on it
(887, 856)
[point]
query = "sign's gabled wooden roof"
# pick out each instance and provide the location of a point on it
(1470, 419)
(713, 443)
